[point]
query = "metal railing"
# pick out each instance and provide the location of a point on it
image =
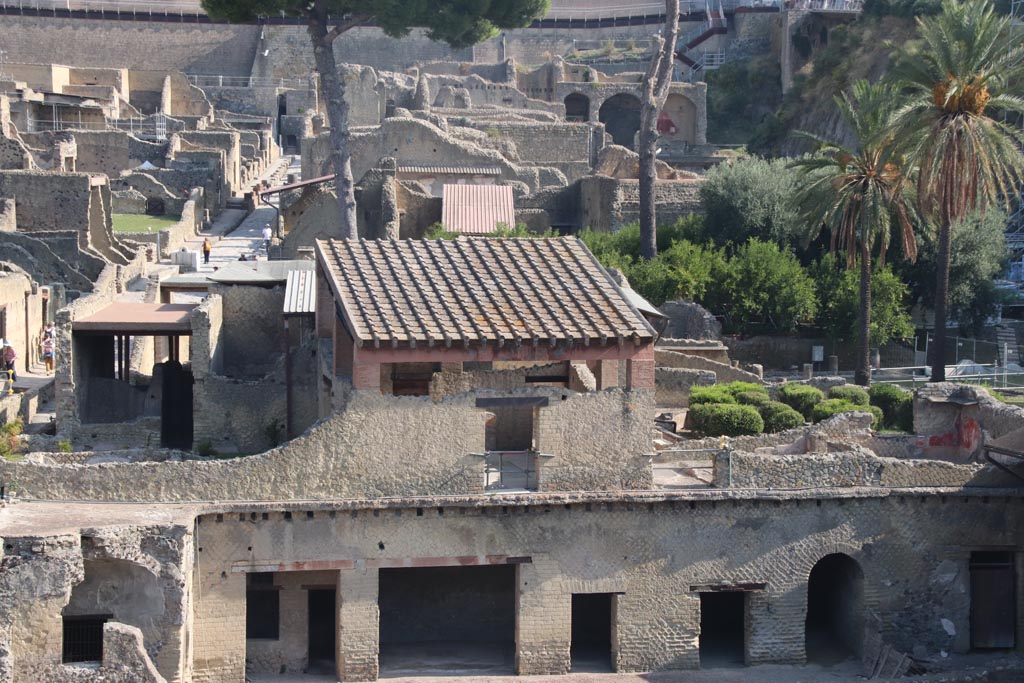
(995, 376)
(141, 126)
(178, 7)
(642, 9)
(510, 470)
(684, 462)
(827, 5)
(212, 81)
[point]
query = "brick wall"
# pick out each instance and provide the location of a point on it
(912, 550)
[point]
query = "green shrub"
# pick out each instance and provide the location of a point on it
(778, 417)
(801, 397)
(736, 388)
(897, 406)
(852, 394)
(64, 446)
(752, 398)
(836, 406)
(726, 420)
(13, 428)
(205, 448)
(716, 393)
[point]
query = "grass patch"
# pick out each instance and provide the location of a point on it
(134, 222)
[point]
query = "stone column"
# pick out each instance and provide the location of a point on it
(358, 625)
(218, 619)
(606, 372)
(543, 620)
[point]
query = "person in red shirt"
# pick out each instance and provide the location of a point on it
(9, 357)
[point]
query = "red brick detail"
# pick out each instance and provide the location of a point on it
(367, 375)
(640, 374)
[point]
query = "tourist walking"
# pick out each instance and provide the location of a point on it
(267, 235)
(47, 347)
(9, 358)
(206, 251)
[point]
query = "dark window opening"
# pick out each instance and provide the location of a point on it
(262, 607)
(441, 620)
(835, 617)
(322, 631)
(83, 638)
(577, 107)
(591, 649)
(722, 628)
(993, 601)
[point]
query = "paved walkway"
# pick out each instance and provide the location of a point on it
(233, 236)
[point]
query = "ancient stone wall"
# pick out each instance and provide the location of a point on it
(112, 152)
(913, 554)
(673, 384)
(366, 450)
(291, 56)
(723, 371)
(607, 204)
(194, 48)
(49, 201)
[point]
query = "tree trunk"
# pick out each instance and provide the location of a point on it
(938, 345)
(648, 178)
(656, 86)
(333, 89)
(862, 373)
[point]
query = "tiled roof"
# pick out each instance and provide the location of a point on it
(477, 209)
(477, 291)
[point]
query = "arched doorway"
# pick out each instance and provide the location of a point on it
(620, 115)
(577, 107)
(678, 120)
(835, 610)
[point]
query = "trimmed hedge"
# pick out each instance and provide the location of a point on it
(897, 405)
(725, 419)
(737, 388)
(801, 397)
(778, 417)
(836, 406)
(852, 394)
(716, 393)
(752, 398)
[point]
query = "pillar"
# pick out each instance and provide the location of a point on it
(358, 644)
(543, 620)
(640, 370)
(218, 619)
(606, 372)
(366, 375)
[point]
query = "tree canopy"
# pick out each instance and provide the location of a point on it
(459, 23)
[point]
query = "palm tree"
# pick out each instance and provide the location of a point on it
(966, 159)
(859, 194)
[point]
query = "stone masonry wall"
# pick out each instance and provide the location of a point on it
(195, 48)
(914, 555)
(599, 441)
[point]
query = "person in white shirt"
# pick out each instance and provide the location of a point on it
(267, 235)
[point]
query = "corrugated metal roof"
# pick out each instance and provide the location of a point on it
(476, 292)
(451, 170)
(300, 293)
(477, 209)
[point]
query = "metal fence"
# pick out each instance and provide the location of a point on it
(212, 81)
(155, 126)
(995, 376)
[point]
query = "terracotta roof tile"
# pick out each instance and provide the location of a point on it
(476, 291)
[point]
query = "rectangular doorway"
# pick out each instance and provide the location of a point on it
(447, 621)
(592, 621)
(322, 631)
(722, 629)
(993, 601)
